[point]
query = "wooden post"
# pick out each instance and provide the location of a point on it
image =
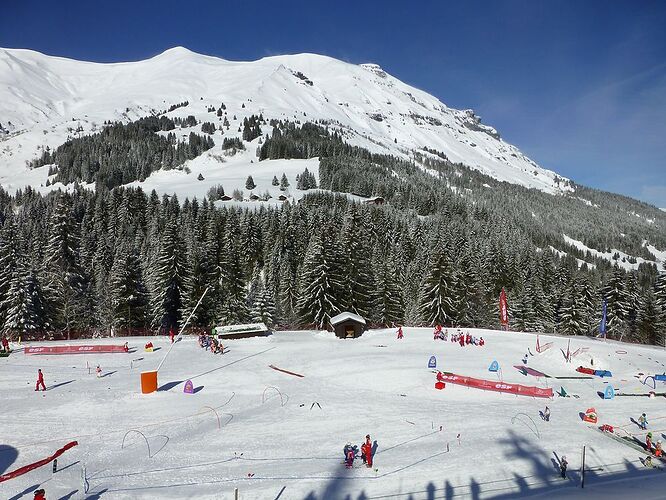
(235, 493)
(582, 483)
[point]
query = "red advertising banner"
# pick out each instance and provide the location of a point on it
(503, 309)
(494, 385)
(74, 349)
(44, 461)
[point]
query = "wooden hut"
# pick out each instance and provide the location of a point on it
(348, 325)
(241, 331)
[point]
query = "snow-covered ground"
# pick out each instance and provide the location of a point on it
(273, 443)
(44, 100)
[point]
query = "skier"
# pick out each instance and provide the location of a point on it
(546, 414)
(648, 442)
(525, 359)
(171, 334)
(648, 462)
(400, 335)
(5, 344)
(349, 456)
(98, 371)
(126, 347)
(481, 342)
(563, 467)
(40, 494)
(657, 449)
(642, 421)
(40, 380)
(368, 451)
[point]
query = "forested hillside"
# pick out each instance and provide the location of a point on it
(438, 251)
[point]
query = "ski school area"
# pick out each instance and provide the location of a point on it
(275, 416)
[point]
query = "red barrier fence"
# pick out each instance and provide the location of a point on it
(74, 349)
(494, 385)
(27, 468)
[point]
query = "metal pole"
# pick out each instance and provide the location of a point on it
(235, 493)
(182, 329)
(582, 484)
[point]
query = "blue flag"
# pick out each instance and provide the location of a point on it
(602, 325)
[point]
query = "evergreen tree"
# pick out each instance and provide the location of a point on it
(275, 181)
(167, 274)
(318, 282)
(437, 296)
(284, 183)
(249, 183)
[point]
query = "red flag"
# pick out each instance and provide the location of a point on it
(27, 468)
(504, 309)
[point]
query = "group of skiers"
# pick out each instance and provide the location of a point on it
(458, 337)
(351, 452)
(209, 341)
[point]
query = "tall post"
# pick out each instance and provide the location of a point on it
(582, 483)
(235, 493)
(182, 328)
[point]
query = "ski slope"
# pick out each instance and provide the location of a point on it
(275, 441)
(44, 100)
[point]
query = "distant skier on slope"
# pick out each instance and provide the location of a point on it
(40, 494)
(648, 442)
(563, 467)
(172, 335)
(657, 449)
(5, 344)
(40, 380)
(400, 335)
(642, 421)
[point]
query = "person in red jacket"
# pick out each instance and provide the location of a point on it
(40, 380)
(400, 335)
(366, 449)
(171, 334)
(40, 494)
(5, 344)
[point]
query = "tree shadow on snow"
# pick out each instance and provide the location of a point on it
(108, 374)
(26, 491)
(8, 455)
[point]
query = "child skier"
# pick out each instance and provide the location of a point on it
(98, 371)
(657, 449)
(400, 335)
(367, 452)
(5, 344)
(546, 414)
(349, 456)
(642, 421)
(40, 494)
(563, 467)
(40, 380)
(648, 442)
(171, 334)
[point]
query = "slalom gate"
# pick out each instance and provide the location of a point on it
(75, 349)
(490, 385)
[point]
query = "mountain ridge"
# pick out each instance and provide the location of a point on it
(41, 95)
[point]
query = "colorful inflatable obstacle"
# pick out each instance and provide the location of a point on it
(490, 385)
(597, 373)
(76, 349)
(590, 416)
(148, 347)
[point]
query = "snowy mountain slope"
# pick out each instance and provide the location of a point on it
(44, 100)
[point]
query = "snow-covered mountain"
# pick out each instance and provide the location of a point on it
(44, 100)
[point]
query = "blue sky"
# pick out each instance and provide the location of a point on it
(578, 86)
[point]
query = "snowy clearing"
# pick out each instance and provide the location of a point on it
(282, 436)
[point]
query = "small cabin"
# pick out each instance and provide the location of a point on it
(282, 197)
(226, 198)
(348, 325)
(241, 331)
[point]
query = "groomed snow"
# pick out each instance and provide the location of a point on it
(276, 441)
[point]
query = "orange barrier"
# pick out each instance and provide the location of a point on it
(148, 382)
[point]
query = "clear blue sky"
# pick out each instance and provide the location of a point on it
(580, 86)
